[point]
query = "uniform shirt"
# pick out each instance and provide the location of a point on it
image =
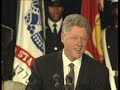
(66, 68)
(59, 23)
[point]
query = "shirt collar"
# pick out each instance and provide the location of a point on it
(66, 61)
(59, 23)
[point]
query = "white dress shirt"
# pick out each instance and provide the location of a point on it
(66, 68)
(59, 23)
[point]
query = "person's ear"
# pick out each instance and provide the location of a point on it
(62, 37)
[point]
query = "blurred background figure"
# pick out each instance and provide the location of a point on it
(110, 46)
(54, 19)
(8, 38)
(115, 14)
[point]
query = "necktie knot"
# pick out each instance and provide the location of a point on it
(54, 25)
(71, 65)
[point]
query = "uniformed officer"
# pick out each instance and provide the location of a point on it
(54, 12)
(110, 46)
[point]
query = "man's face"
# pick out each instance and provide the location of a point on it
(74, 42)
(55, 12)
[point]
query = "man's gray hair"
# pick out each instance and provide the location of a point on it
(75, 20)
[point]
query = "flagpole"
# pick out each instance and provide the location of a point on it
(17, 15)
(43, 21)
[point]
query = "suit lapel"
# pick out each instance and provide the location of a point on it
(57, 69)
(83, 74)
(60, 67)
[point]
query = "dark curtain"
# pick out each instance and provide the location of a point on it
(72, 6)
(106, 15)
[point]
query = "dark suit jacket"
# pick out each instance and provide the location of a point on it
(92, 76)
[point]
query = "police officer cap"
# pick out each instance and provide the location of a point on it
(55, 2)
(114, 3)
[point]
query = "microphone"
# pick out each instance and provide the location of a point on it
(56, 79)
(69, 80)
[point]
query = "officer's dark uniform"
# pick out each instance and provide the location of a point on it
(112, 47)
(53, 42)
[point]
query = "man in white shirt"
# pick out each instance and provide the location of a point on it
(70, 68)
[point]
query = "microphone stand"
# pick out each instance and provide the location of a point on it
(58, 86)
(67, 87)
(64, 87)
